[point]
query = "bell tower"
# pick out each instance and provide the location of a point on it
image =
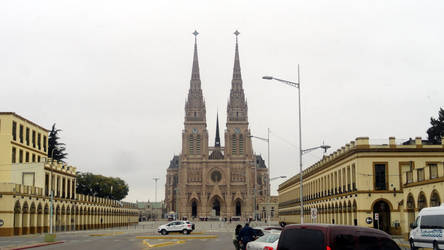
(195, 134)
(237, 135)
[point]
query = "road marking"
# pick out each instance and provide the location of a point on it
(168, 243)
(178, 237)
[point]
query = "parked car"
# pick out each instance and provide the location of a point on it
(267, 242)
(175, 226)
(325, 236)
(428, 229)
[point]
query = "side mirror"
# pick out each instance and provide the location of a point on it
(413, 225)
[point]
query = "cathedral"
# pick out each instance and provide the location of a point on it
(216, 182)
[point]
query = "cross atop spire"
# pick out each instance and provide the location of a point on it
(236, 33)
(195, 75)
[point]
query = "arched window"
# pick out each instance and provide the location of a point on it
(241, 144)
(233, 145)
(422, 202)
(435, 201)
(198, 144)
(191, 144)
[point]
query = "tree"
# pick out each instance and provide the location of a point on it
(53, 143)
(101, 186)
(436, 131)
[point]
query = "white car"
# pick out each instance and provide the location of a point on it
(175, 226)
(428, 229)
(267, 242)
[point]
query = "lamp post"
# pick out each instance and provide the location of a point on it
(298, 86)
(155, 180)
(51, 205)
(301, 151)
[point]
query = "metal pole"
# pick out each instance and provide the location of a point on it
(300, 149)
(155, 197)
(269, 173)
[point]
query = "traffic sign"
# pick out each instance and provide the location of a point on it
(369, 220)
(376, 216)
(314, 213)
(1, 222)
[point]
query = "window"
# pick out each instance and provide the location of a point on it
(233, 145)
(38, 141)
(301, 237)
(409, 176)
(14, 131)
(198, 144)
(432, 221)
(44, 143)
(344, 241)
(38, 158)
(27, 136)
(241, 144)
(14, 151)
(33, 139)
(33, 157)
(21, 156)
(27, 157)
(191, 144)
(421, 174)
(433, 170)
(380, 177)
(21, 133)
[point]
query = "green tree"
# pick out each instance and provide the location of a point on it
(101, 186)
(54, 144)
(436, 131)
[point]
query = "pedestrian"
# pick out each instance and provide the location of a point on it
(246, 235)
(236, 238)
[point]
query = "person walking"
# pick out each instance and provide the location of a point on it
(236, 238)
(246, 235)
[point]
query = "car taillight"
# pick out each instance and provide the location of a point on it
(327, 248)
(189, 225)
(268, 248)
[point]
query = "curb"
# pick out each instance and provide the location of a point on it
(163, 244)
(36, 245)
(177, 237)
(107, 234)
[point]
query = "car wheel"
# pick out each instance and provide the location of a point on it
(412, 245)
(435, 245)
(185, 231)
(163, 232)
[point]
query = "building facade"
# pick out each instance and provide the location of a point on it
(151, 210)
(380, 186)
(27, 177)
(216, 182)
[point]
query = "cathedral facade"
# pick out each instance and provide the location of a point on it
(216, 181)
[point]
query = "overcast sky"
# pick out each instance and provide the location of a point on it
(114, 75)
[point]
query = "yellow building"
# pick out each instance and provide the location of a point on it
(21, 141)
(381, 186)
(26, 178)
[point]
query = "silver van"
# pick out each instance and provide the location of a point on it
(428, 229)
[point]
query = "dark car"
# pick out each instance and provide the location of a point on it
(333, 237)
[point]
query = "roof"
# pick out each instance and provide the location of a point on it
(337, 227)
(174, 163)
(21, 117)
(260, 163)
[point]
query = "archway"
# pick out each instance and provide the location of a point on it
(17, 216)
(381, 208)
(422, 201)
(216, 207)
(410, 209)
(435, 201)
(194, 209)
(39, 218)
(238, 208)
(32, 214)
(25, 218)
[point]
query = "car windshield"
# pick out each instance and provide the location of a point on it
(269, 238)
(432, 221)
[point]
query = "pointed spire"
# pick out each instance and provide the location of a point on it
(217, 141)
(195, 75)
(236, 69)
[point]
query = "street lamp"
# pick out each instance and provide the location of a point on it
(278, 177)
(155, 179)
(298, 86)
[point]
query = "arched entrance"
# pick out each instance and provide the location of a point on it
(216, 207)
(410, 209)
(383, 210)
(194, 208)
(17, 217)
(238, 208)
